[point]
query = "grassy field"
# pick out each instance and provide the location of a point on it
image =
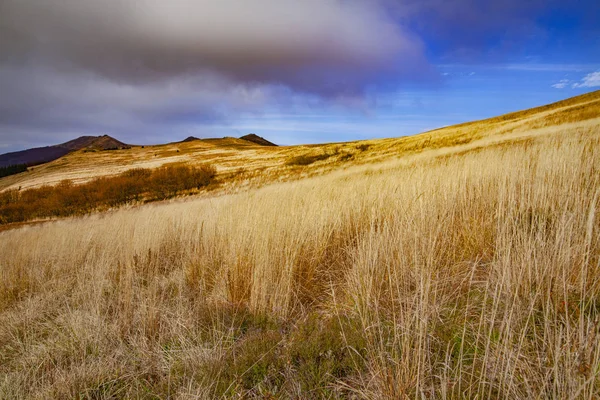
(461, 263)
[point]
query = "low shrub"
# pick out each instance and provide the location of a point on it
(306, 159)
(134, 185)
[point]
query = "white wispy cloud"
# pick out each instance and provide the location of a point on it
(590, 80)
(563, 83)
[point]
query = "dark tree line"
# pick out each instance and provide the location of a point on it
(12, 170)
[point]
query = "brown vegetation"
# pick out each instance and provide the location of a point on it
(307, 159)
(134, 185)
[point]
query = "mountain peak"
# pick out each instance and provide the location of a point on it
(103, 142)
(40, 155)
(254, 138)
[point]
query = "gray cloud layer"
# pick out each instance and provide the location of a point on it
(246, 41)
(140, 66)
(163, 69)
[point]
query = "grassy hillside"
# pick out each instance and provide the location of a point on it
(247, 163)
(42, 155)
(462, 263)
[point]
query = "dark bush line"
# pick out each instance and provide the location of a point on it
(134, 185)
(306, 159)
(12, 170)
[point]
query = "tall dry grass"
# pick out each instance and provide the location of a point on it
(472, 275)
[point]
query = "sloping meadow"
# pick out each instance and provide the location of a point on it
(471, 275)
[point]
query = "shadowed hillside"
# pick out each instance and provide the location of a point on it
(34, 156)
(190, 139)
(258, 140)
(42, 155)
(104, 142)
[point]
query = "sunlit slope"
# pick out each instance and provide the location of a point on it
(466, 272)
(240, 158)
(84, 165)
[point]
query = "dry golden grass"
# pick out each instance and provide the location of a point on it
(245, 164)
(470, 271)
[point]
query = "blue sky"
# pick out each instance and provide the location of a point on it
(294, 72)
(466, 93)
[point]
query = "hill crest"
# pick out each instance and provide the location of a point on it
(240, 158)
(40, 155)
(257, 139)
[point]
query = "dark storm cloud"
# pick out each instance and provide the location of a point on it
(43, 100)
(246, 41)
(142, 67)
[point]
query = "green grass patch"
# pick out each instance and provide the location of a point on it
(270, 359)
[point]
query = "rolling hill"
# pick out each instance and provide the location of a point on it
(462, 263)
(256, 163)
(42, 155)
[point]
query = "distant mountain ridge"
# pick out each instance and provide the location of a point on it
(230, 155)
(40, 155)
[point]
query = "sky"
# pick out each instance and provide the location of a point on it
(310, 71)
